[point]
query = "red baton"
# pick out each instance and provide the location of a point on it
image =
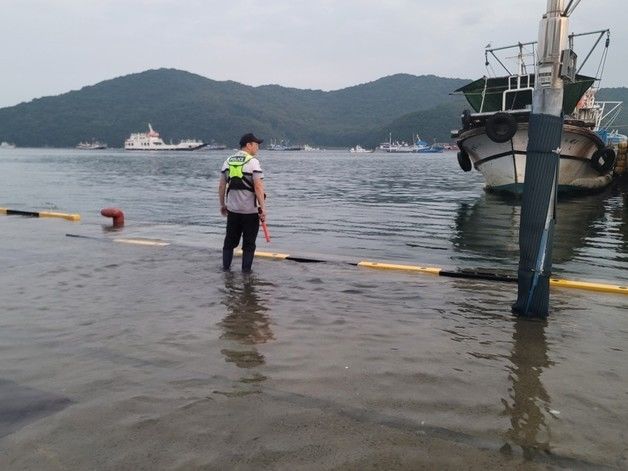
(264, 227)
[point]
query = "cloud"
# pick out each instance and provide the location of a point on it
(52, 47)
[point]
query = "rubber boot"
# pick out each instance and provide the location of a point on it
(247, 260)
(227, 256)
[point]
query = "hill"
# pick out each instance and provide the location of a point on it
(180, 104)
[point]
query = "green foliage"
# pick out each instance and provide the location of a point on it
(180, 105)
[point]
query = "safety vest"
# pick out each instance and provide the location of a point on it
(236, 176)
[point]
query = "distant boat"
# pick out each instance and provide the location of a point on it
(6, 145)
(419, 146)
(360, 150)
(214, 146)
(308, 148)
(422, 147)
(283, 146)
(151, 141)
(446, 145)
(94, 145)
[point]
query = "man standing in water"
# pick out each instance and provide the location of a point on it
(242, 183)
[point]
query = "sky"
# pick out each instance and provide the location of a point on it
(50, 47)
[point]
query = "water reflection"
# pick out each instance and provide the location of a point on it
(490, 226)
(246, 321)
(528, 402)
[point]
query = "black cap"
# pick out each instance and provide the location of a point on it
(250, 137)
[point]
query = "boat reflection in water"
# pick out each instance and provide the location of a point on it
(528, 404)
(490, 226)
(245, 323)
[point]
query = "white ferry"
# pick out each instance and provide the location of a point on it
(151, 141)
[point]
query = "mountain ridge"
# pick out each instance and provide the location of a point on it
(182, 104)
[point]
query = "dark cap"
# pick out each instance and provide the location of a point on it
(244, 140)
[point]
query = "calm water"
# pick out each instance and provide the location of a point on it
(123, 357)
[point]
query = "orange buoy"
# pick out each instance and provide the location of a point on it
(116, 214)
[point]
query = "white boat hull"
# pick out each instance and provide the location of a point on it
(166, 147)
(503, 164)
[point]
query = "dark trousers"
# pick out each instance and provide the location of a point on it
(247, 227)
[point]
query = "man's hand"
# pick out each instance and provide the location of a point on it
(262, 214)
(223, 210)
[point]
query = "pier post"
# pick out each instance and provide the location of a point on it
(538, 207)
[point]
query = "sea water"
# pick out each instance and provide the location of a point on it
(117, 356)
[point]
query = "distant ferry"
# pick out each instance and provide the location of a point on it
(6, 145)
(94, 145)
(151, 141)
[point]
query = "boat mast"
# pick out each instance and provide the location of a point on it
(556, 63)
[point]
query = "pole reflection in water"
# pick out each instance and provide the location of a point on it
(529, 402)
(245, 322)
(489, 226)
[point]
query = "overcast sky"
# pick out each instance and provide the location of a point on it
(54, 46)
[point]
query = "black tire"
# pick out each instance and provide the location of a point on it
(501, 127)
(464, 161)
(603, 160)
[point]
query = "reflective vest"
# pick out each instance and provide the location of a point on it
(236, 178)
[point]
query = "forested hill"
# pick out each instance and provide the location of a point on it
(179, 104)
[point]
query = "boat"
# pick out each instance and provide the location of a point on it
(151, 141)
(494, 137)
(446, 146)
(215, 146)
(283, 145)
(419, 147)
(308, 148)
(422, 147)
(94, 145)
(360, 150)
(6, 145)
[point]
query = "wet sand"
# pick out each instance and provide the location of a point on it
(126, 357)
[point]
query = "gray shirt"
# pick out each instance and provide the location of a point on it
(243, 201)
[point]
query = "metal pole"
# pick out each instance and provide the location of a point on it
(538, 208)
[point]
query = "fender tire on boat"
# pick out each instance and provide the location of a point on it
(501, 127)
(603, 160)
(464, 161)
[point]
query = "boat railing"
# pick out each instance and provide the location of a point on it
(517, 84)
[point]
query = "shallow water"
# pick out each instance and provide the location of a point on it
(126, 357)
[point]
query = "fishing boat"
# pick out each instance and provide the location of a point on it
(360, 150)
(151, 141)
(494, 136)
(422, 147)
(6, 145)
(93, 145)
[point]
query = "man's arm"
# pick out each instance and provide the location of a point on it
(258, 186)
(222, 187)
